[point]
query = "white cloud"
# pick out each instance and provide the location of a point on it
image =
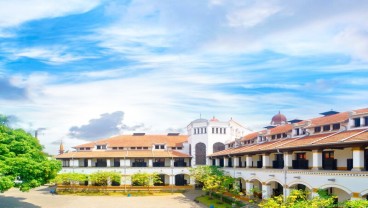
(250, 16)
(15, 12)
(52, 55)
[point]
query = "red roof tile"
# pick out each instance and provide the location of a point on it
(139, 141)
(123, 154)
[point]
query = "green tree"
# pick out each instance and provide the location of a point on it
(298, 199)
(145, 179)
(23, 164)
(210, 176)
(104, 178)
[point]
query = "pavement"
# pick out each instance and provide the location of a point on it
(41, 197)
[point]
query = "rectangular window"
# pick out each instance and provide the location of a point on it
(145, 148)
(326, 128)
(216, 130)
(273, 137)
(297, 132)
(317, 129)
(114, 148)
(356, 122)
(82, 148)
(195, 131)
(284, 135)
(301, 156)
(336, 126)
(279, 136)
(213, 130)
(162, 146)
(133, 148)
(205, 130)
(179, 148)
(98, 147)
(220, 130)
(120, 148)
(139, 148)
(88, 148)
(328, 155)
(224, 130)
(157, 146)
(366, 121)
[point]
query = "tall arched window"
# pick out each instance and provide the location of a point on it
(200, 154)
(218, 146)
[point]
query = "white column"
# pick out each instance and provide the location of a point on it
(358, 159)
(192, 180)
(127, 163)
(89, 162)
(248, 187)
(317, 159)
(266, 161)
(122, 163)
(226, 162)
(235, 161)
(249, 159)
(217, 162)
(266, 191)
(287, 192)
(288, 160)
(171, 162)
(150, 163)
(108, 162)
(172, 180)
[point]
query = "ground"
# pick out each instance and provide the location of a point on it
(41, 197)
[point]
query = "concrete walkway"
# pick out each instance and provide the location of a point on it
(41, 197)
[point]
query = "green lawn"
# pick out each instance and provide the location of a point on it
(216, 202)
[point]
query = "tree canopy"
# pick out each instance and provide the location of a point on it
(23, 164)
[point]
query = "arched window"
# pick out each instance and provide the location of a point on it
(200, 154)
(218, 146)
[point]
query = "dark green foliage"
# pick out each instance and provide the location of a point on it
(22, 159)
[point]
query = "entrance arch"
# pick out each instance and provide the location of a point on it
(342, 193)
(182, 180)
(200, 153)
(276, 188)
(218, 146)
(257, 188)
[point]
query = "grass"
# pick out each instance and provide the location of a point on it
(216, 202)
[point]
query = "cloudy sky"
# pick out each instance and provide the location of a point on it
(81, 70)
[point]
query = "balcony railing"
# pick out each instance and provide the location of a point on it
(158, 164)
(259, 164)
(278, 164)
(329, 164)
(180, 164)
(300, 164)
(139, 164)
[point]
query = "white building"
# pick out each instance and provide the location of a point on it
(169, 155)
(328, 152)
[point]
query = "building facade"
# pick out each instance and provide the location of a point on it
(328, 152)
(169, 155)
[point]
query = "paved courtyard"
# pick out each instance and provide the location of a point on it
(41, 197)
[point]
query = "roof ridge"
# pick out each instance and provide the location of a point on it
(365, 130)
(333, 134)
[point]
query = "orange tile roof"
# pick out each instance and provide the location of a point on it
(357, 135)
(250, 136)
(281, 129)
(336, 118)
(122, 154)
(361, 111)
(139, 141)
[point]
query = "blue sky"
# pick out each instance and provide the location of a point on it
(90, 69)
